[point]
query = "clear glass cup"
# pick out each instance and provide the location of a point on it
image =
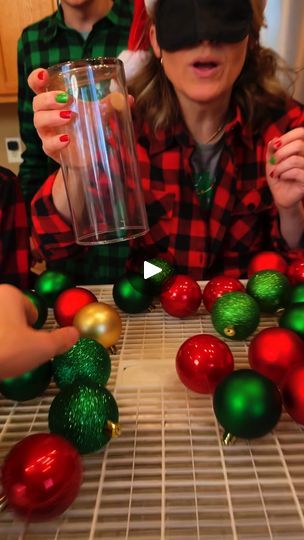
(100, 166)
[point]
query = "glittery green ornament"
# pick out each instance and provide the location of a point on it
(235, 315)
(87, 359)
(86, 415)
(41, 306)
(297, 294)
(270, 289)
(293, 318)
(156, 282)
(50, 284)
(131, 293)
(246, 404)
(29, 385)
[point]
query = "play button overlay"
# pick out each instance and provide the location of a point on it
(151, 270)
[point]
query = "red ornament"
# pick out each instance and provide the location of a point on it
(295, 272)
(274, 350)
(41, 476)
(181, 296)
(292, 389)
(202, 361)
(218, 286)
(69, 302)
(267, 260)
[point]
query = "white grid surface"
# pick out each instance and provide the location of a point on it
(168, 477)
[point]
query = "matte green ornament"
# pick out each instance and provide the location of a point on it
(87, 359)
(131, 293)
(270, 289)
(41, 306)
(297, 294)
(235, 315)
(246, 404)
(50, 284)
(293, 318)
(86, 415)
(29, 385)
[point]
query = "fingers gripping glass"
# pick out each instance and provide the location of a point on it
(99, 165)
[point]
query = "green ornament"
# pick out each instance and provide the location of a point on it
(50, 284)
(156, 282)
(235, 315)
(29, 385)
(86, 415)
(246, 404)
(293, 319)
(87, 359)
(41, 306)
(297, 294)
(270, 289)
(131, 293)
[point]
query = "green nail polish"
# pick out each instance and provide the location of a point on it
(272, 160)
(62, 98)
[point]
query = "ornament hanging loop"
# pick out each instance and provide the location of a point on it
(3, 503)
(113, 429)
(229, 331)
(228, 439)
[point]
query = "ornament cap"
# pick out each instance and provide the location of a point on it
(3, 503)
(229, 331)
(228, 439)
(114, 429)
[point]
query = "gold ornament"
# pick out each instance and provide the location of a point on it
(99, 321)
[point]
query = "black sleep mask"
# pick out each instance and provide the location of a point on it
(185, 23)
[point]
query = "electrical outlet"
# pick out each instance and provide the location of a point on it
(13, 149)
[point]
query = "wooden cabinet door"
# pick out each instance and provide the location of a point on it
(14, 17)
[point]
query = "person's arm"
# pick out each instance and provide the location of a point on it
(14, 232)
(33, 347)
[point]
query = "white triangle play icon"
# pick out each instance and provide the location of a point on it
(150, 270)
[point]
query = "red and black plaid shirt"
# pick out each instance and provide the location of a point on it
(241, 222)
(14, 234)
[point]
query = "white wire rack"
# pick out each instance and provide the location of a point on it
(168, 477)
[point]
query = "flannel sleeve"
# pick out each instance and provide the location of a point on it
(14, 234)
(52, 236)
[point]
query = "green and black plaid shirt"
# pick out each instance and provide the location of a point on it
(43, 44)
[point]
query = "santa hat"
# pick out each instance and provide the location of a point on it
(138, 53)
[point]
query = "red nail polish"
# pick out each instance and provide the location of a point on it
(64, 138)
(41, 75)
(271, 174)
(65, 114)
(277, 145)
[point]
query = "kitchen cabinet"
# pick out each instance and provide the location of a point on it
(15, 16)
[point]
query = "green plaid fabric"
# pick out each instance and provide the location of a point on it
(50, 42)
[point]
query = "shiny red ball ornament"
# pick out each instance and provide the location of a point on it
(69, 302)
(41, 476)
(202, 361)
(267, 260)
(218, 286)
(274, 350)
(292, 389)
(181, 296)
(295, 272)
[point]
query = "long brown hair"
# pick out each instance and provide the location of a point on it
(257, 89)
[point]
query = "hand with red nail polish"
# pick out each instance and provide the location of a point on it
(285, 169)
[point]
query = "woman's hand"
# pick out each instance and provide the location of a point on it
(51, 117)
(285, 169)
(285, 176)
(22, 347)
